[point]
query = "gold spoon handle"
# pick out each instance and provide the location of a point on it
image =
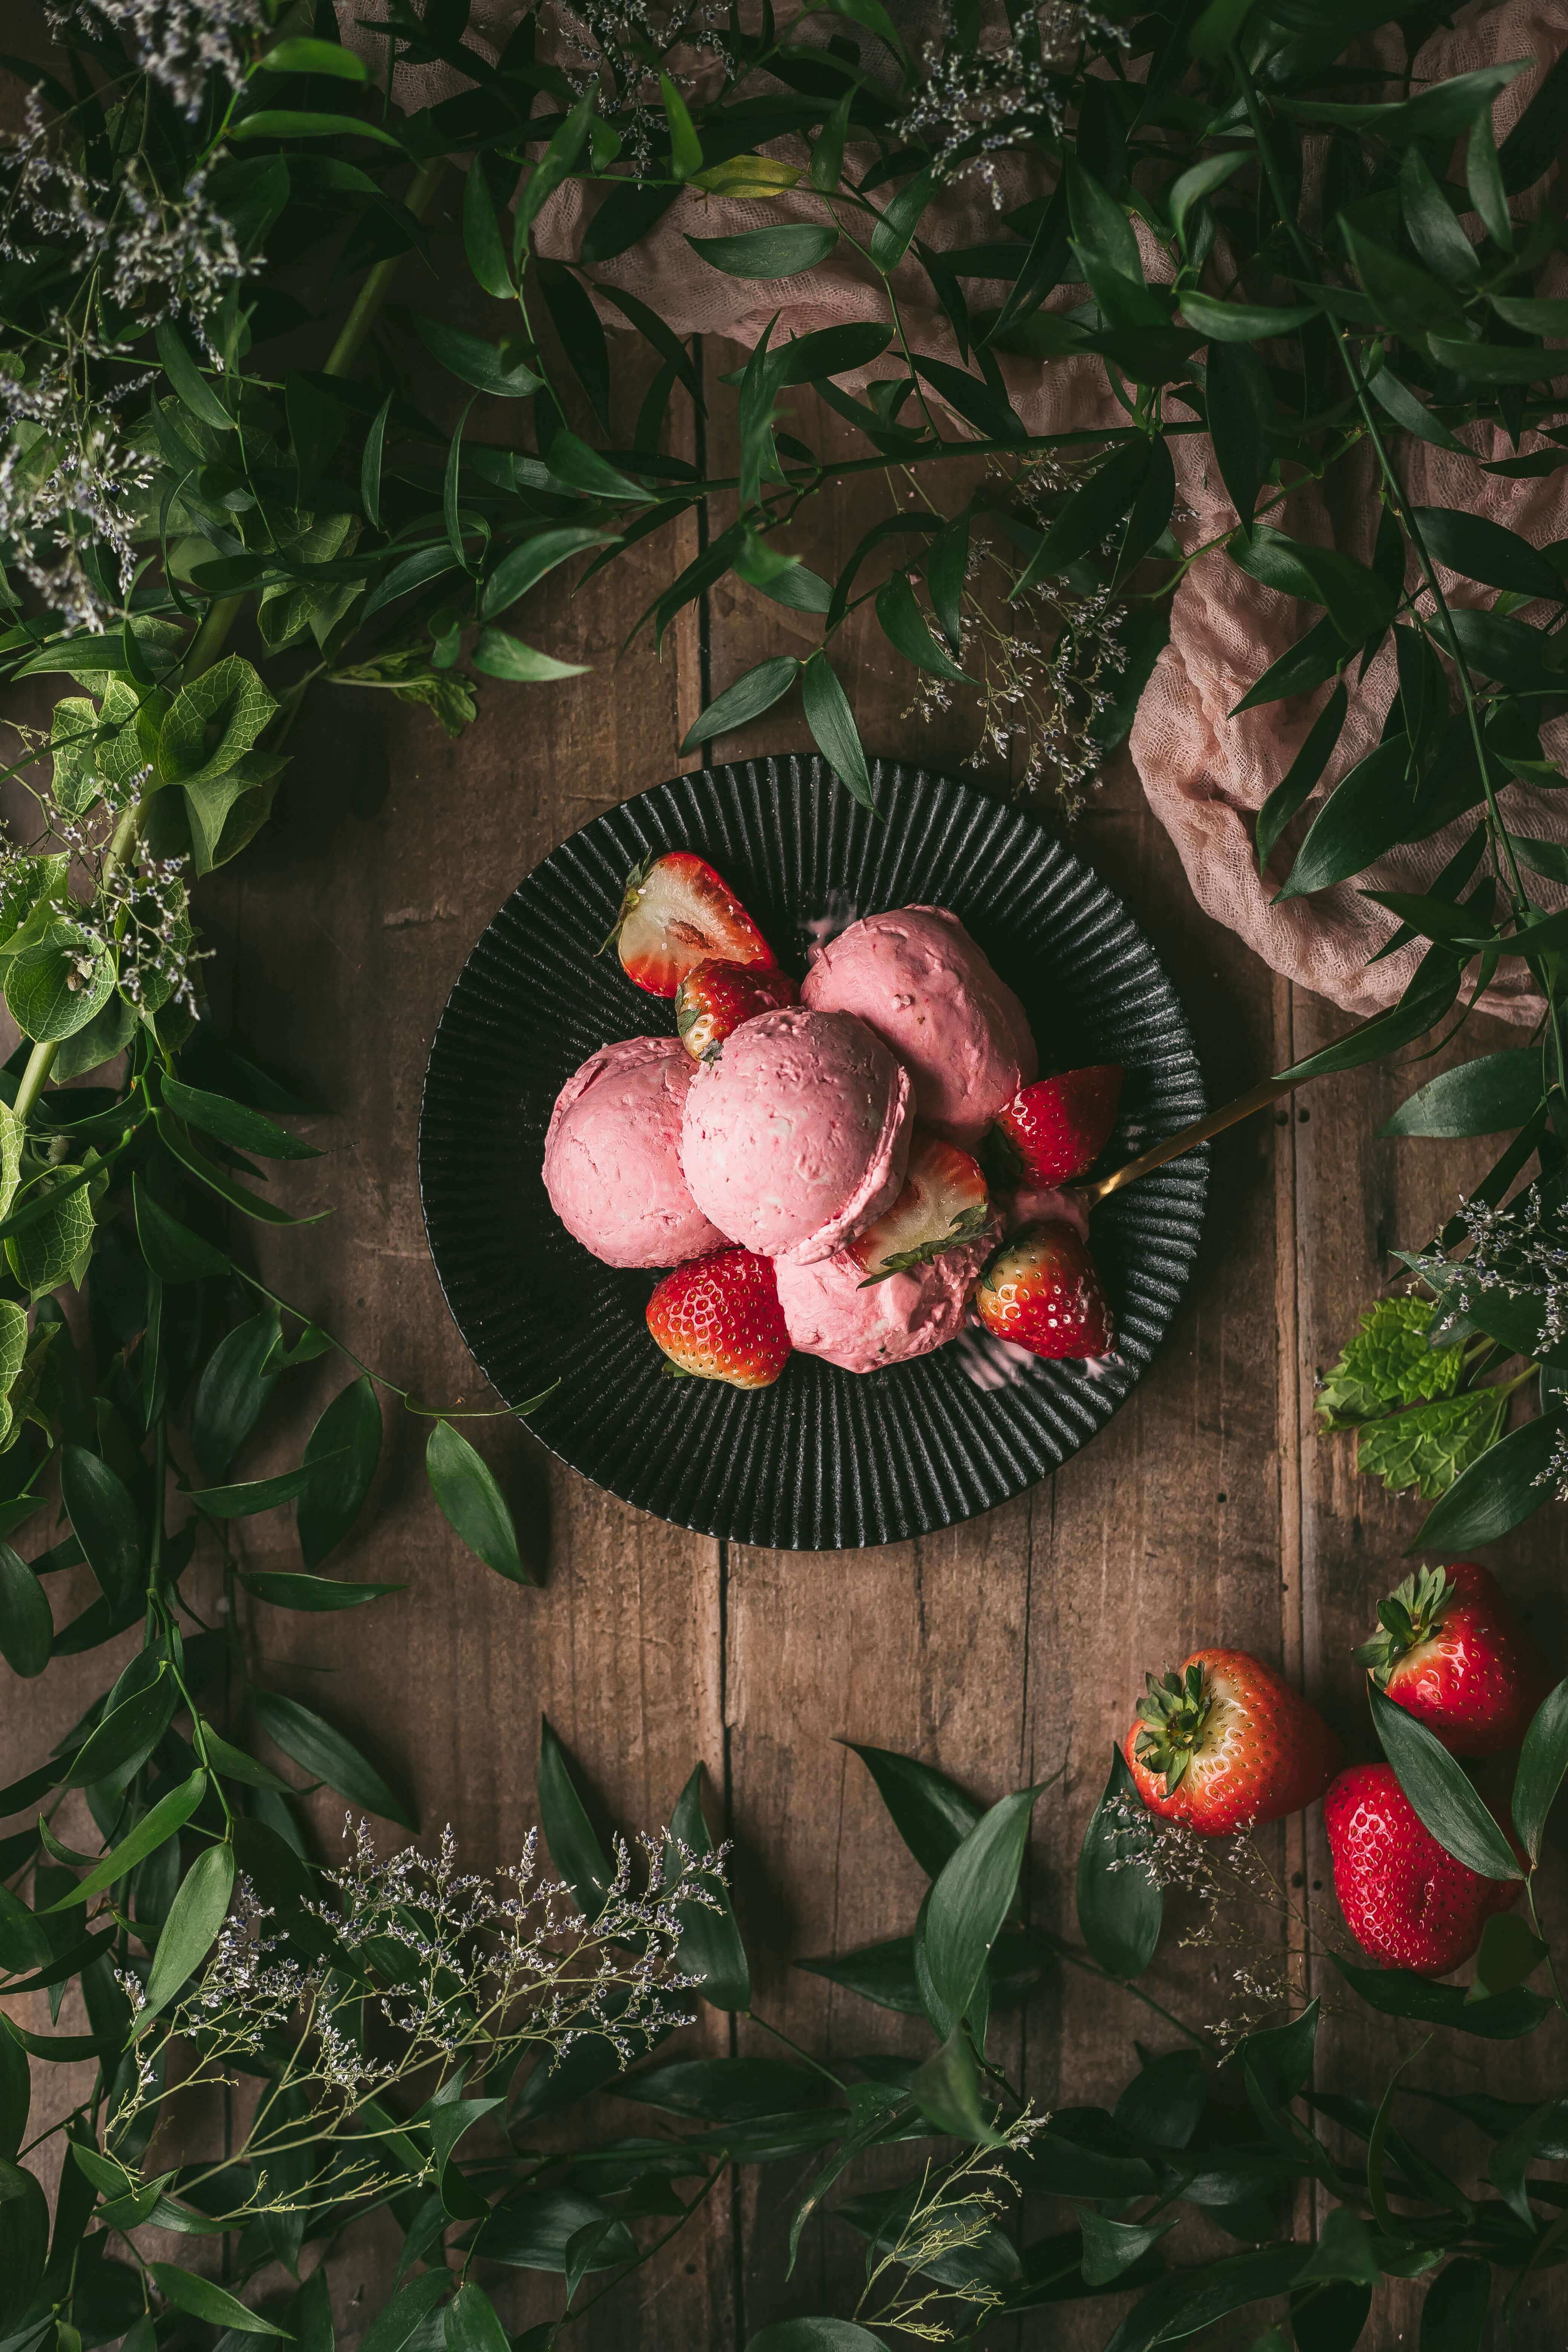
(1173, 1146)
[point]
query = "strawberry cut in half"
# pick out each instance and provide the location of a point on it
(717, 1319)
(716, 995)
(1055, 1129)
(1224, 1745)
(676, 911)
(944, 1202)
(1450, 1650)
(1042, 1292)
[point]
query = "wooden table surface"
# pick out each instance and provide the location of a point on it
(1004, 1650)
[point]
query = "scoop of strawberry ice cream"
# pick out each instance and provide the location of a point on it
(917, 980)
(797, 1134)
(830, 1309)
(612, 1156)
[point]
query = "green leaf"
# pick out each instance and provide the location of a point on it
(1120, 1902)
(1226, 323)
(1454, 2312)
(213, 722)
(164, 1821)
(968, 1904)
(501, 655)
(24, 2238)
(233, 1390)
(188, 1934)
(1485, 1097)
(13, 1356)
(23, 1943)
(814, 2335)
(685, 147)
(904, 626)
(1509, 1952)
(170, 1249)
(1441, 1791)
(885, 1974)
(989, 412)
(203, 2299)
(1360, 602)
(26, 1622)
(1111, 2247)
(833, 728)
(398, 2320)
(304, 57)
(1406, 298)
(470, 1500)
(1480, 550)
(283, 1589)
(573, 1842)
(1389, 1362)
(1542, 1761)
(243, 1502)
(784, 251)
(516, 573)
(754, 691)
(370, 464)
(55, 986)
(1090, 514)
(947, 2091)
(1404, 408)
(267, 1212)
(931, 1813)
(504, 371)
(1301, 777)
(323, 1751)
(483, 238)
(16, 2090)
(710, 1945)
(126, 1737)
(234, 1123)
(1497, 362)
(288, 122)
(1240, 403)
(187, 379)
(1363, 816)
(1495, 1493)
(1431, 1445)
(900, 219)
(342, 1453)
(104, 1520)
(471, 2324)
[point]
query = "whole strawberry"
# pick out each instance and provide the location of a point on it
(1451, 1651)
(1223, 1744)
(1042, 1292)
(717, 1319)
(716, 995)
(1056, 1128)
(1406, 1901)
(676, 911)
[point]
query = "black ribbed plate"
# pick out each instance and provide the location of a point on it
(823, 1457)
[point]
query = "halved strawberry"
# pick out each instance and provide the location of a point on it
(1056, 1128)
(716, 995)
(676, 911)
(1042, 1292)
(944, 1202)
(717, 1319)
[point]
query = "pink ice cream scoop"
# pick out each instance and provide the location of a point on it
(917, 978)
(612, 1156)
(829, 1313)
(798, 1135)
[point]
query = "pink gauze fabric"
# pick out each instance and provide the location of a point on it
(1205, 773)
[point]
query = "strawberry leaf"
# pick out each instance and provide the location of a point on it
(1389, 1362)
(1427, 1447)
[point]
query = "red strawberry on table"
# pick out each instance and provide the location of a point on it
(1041, 1291)
(676, 911)
(1406, 1901)
(1056, 1128)
(1223, 1744)
(717, 995)
(718, 1318)
(1452, 1651)
(944, 1202)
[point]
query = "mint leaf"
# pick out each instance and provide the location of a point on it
(1427, 1447)
(1388, 1363)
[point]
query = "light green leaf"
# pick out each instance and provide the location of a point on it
(55, 986)
(212, 722)
(1428, 1446)
(56, 1247)
(501, 655)
(1389, 1362)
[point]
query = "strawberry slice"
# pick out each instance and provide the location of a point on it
(944, 1202)
(717, 1319)
(676, 911)
(1042, 1292)
(716, 995)
(1056, 1128)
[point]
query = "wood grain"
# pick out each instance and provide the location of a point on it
(1006, 1650)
